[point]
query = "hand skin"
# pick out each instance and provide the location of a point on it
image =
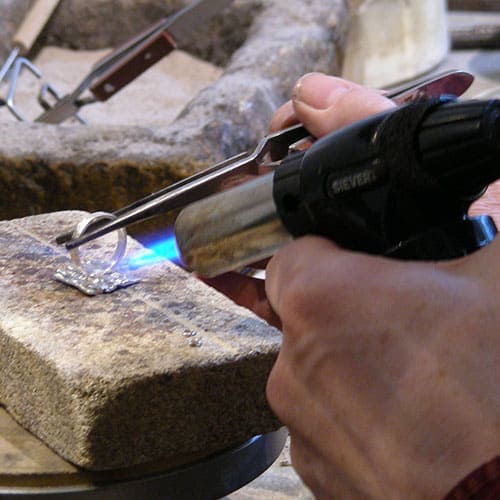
(325, 104)
(388, 374)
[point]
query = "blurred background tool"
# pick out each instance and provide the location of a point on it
(474, 28)
(477, 5)
(475, 24)
(127, 62)
(22, 42)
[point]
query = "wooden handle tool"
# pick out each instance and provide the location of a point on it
(33, 23)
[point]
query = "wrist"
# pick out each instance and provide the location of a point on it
(481, 484)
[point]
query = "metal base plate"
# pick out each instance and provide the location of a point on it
(210, 478)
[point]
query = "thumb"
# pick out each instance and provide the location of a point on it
(326, 103)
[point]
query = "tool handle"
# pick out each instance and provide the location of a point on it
(403, 179)
(33, 23)
(134, 64)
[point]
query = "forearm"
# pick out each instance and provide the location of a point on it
(481, 484)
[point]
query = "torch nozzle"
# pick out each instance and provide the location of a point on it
(231, 229)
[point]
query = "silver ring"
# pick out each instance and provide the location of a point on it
(121, 244)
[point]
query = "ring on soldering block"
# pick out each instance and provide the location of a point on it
(97, 265)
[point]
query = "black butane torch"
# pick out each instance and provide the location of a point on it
(399, 184)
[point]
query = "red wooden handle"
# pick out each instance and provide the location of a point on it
(136, 63)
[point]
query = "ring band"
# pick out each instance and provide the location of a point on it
(118, 253)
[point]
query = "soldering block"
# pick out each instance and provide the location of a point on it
(115, 380)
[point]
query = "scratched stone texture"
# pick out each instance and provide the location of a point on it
(112, 381)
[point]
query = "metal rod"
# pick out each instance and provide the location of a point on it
(7, 65)
(483, 36)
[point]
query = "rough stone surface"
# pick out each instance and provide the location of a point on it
(45, 168)
(111, 381)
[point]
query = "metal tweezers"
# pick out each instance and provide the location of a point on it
(274, 147)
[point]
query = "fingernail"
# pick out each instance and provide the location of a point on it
(298, 89)
(318, 90)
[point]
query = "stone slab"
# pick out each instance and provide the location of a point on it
(111, 381)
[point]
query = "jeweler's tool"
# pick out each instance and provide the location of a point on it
(275, 147)
(398, 184)
(130, 60)
(22, 42)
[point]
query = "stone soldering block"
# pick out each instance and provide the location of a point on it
(116, 380)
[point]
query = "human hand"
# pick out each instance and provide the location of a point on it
(388, 374)
(323, 104)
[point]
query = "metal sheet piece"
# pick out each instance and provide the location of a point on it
(93, 283)
(95, 276)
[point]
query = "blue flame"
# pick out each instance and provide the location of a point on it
(157, 251)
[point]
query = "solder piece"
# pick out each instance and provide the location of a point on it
(89, 270)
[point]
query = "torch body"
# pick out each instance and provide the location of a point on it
(398, 184)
